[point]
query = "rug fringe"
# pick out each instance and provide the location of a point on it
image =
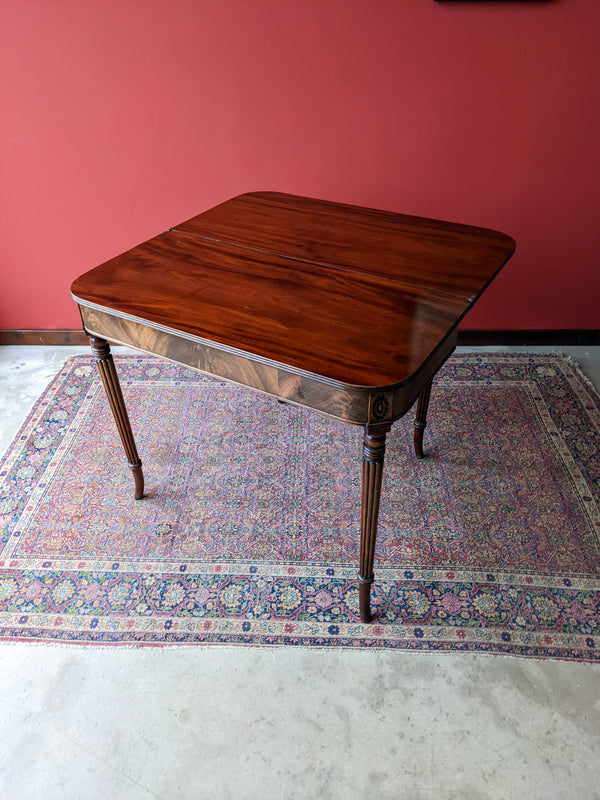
(572, 362)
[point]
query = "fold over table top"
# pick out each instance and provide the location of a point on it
(352, 296)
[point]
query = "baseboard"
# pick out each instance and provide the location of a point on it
(56, 338)
(558, 338)
(466, 338)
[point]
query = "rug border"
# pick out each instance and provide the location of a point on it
(270, 641)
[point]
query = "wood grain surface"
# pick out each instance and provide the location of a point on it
(431, 255)
(358, 297)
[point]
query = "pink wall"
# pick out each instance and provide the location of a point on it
(120, 119)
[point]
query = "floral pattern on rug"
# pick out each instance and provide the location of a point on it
(249, 531)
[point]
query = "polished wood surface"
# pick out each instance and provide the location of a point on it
(305, 284)
(346, 310)
(432, 256)
(349, 403)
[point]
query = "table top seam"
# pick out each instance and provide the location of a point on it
(336, 267)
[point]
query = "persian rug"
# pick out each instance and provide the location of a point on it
(249, 532)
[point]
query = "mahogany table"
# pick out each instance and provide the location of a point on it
(346, 310)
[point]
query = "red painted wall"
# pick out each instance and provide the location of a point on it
(120, 119)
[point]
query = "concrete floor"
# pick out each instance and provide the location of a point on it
(220, 722)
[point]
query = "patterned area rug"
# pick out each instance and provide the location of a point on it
(249, 532)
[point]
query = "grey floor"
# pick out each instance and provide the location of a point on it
(220, 722)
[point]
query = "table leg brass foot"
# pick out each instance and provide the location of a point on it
(372, 471)
(421, 419)
(110, 381)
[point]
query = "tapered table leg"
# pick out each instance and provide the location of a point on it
(421, 419)
(372, 471)
(110, 381)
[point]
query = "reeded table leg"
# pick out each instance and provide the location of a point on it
(421, 419)
(110, 380)
(372, 471)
